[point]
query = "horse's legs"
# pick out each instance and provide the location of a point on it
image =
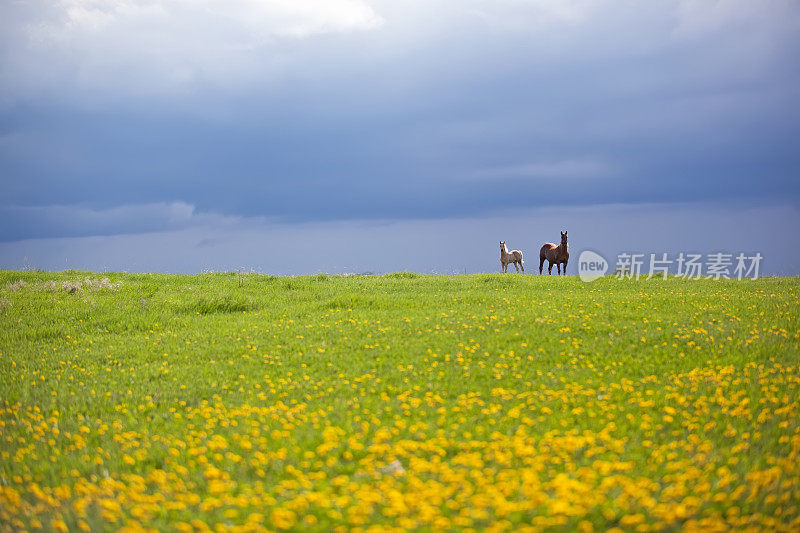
(558, 268)
(516, 265)
(549, 268)
(522, 266)
(565, 267)
(541, 263)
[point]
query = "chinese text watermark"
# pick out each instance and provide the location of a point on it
(717, 265)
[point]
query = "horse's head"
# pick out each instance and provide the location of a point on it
(502, 244)
(564, 239)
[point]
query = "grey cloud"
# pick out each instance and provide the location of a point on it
(574, 168)
(161, 47)
(107, 50)
(445, 109)
(77, 221)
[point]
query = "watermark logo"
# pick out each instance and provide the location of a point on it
(591, 266)
(718, 265)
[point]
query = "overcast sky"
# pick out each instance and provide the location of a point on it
(297, 136)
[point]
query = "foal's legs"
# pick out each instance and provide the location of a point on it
(522, 266)
(541, 263)
(516, 266)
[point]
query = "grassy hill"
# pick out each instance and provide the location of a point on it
(251, 402)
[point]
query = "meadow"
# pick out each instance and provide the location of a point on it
(231, 402)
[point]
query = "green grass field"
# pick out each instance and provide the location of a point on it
(501, 402)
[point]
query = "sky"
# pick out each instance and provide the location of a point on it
(295, 137)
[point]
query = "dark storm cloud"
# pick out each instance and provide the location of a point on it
(430, 110)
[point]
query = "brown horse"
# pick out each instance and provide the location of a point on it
(555, 255)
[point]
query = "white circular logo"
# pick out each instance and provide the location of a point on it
(591, 266)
